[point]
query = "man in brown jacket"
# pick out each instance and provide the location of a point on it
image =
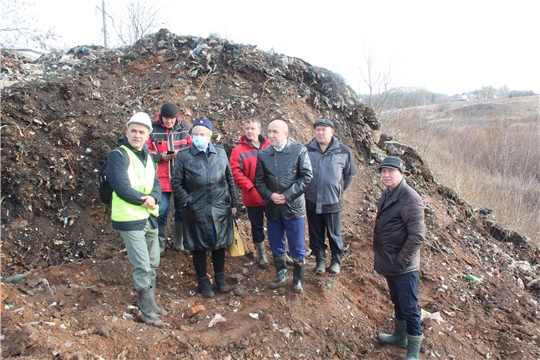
(399, 233)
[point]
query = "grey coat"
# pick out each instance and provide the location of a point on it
(399, 231)
(333, 172)
(204, 183)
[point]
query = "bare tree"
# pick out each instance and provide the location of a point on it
(20, 30)
(137, 19)
(488, 92)
(378, 75)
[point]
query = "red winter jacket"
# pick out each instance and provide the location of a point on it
(243, 165)
(162, 140)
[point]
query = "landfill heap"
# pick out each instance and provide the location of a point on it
(72, 292)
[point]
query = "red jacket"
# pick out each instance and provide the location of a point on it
(243, 165)
(162, 140)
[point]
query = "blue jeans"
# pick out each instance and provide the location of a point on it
(404, 296)
(317, 224)
(256, 218)
(165, 208)
(296, 236)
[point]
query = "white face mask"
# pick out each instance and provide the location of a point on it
(201, 142)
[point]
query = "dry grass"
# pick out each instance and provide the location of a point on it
(488, 151)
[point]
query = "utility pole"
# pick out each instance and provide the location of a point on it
(104, 13)
(104, 24)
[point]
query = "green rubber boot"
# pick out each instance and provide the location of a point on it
(413, 347)
(399, 337)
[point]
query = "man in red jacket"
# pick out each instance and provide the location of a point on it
(243, 165)
(169, 135)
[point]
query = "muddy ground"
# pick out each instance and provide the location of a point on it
(63, 113)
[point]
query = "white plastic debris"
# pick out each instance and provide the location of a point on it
(254, 315)
(217, 318)
(435, 316)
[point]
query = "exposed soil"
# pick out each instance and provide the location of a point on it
(63, 113)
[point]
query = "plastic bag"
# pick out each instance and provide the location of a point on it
(237, 246)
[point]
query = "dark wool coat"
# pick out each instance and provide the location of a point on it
(203, 182)
(399, 231)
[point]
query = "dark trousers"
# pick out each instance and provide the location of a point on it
(199, 261)
(404, 296)
(321, 225)
(256, 218)
(295, 230)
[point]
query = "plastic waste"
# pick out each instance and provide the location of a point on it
(473, 278)
(15, 279)
(217, 318)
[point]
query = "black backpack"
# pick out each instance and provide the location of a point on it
(105, 189)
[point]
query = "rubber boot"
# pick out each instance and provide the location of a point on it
(281, 268)
(157, 310)
(399, 337)
(205, 288)
(335, 264)
(299, 270)
(320, 268)
(261, 251)
(179, 238)
(162, 237)
(413, 347)
(288, 260)
(146, 305)
(221, 284)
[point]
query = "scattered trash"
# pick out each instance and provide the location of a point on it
(434, 316)
(217, 318)
(473, 278)
(329, 285)
(127, 316)
(15, 279)
(254, 315)
(286, 331)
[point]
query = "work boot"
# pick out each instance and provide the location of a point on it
(157, 310)
(299, 270)
(146, 305)
(335, 264)
(281, 268)
(221, 284)
(399, 337)
(179, 238)
(205, 288)
(162, 237)
(288, 260)
(261, 251)
(413, 347)
(320, 268)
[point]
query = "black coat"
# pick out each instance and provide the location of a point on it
(286, 172)
(204, 183)
(399, 231)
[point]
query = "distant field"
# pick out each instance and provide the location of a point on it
(488, 151)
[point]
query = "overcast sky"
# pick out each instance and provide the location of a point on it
(444, 46)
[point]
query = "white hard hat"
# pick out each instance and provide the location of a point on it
(142, 119)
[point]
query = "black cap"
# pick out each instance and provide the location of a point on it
(393, 163)
(169, 110)
(323, 122)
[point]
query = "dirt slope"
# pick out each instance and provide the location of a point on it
(62, 114)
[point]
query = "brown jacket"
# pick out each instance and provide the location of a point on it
(399, 231)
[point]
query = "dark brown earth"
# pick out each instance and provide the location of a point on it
(63, 113)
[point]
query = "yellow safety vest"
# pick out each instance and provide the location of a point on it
(141, 179)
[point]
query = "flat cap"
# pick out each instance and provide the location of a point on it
(323, 122)
(392, 162)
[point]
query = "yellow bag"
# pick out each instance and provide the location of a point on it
(237, 246)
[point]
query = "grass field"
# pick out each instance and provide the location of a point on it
(488, 151)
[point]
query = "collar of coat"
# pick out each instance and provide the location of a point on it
(392, 197)
(210, 150)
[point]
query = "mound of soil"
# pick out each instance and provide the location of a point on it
(72, 296)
